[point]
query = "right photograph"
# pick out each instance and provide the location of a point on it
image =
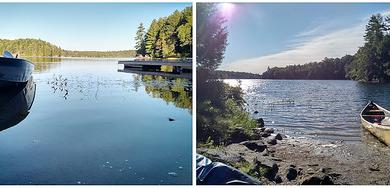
(293, 93)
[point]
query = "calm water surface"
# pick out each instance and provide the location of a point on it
(90, 124)
(318, 109)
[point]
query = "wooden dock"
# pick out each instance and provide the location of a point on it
(178, 65)
(163, 74)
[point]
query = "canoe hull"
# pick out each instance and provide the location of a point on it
(15, 103)
(14, 71)
(382, 132)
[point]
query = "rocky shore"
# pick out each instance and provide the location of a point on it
(274, 158)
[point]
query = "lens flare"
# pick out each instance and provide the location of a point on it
(226, 9)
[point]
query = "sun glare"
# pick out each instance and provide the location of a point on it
(227, 9)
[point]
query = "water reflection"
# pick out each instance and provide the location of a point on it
(43, 65)
(15, 103)
(177, 91)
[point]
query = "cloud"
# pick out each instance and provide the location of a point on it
(335, 44)
(309, 46)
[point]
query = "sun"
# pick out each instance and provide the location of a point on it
(227, 9)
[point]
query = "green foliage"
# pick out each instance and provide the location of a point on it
(140, 40)
(211, 36)
(220, 109)
(40, 48)
(219, 74)
(372, 61)
(176, 90)
(170, 36)
(30, 47)
(327, 69)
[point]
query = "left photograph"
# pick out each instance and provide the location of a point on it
(96, 93)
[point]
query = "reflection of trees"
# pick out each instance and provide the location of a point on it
(45, 64)
(172, 90)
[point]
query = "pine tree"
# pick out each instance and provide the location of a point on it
(140, 40)
(211, 37)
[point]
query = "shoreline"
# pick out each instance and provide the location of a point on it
(277, 159)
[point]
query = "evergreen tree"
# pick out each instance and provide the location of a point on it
(371, 59)
(140, 40)
(211, 37)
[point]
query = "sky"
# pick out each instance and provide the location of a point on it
(81, 26)
(280, 34)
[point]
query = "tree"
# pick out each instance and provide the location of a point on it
(184, 33)
(150, 38)
(371, 59)
(140, 40)
(211, 37)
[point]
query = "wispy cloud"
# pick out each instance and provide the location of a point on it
(308, 46)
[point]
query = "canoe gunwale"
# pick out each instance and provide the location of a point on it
(387, 113)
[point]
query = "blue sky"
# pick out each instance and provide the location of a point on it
(81, 26)
(280, 34)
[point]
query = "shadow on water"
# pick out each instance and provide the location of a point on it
(15, 103)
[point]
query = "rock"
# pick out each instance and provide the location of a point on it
(269, 130)
(315, 180)
(265, 134)
(265, 168)
(325, 170)
(238, 135)
(278, 179)
(327, 181)
(278, 136)
(255, 145)
(272, 141)
(373, 169)
(171, 119)
(291, 174)
(260, 122)
(256, 112)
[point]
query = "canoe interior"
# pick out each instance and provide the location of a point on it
(373, 114)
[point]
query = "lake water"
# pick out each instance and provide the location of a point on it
(90, 124)
(320, 109)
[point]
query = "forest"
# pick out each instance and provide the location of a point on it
(371, 63)
(41, 48)
(167, 37)
(327, 69)
(220, 74)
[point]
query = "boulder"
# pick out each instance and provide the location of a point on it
(255, 145)
(266, 169)
(260, 122)
(238, 135)
(269, 130)
(272, 141)
(278, 136)
(278, 179)
(315, 180)
(265, 134)
(291, 174)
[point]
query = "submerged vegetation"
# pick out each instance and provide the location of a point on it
(220, 107)
(41, 48)
(371, 63)
(167, 37)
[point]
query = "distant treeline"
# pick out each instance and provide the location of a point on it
(371, 63)
(220, 74)
(167, 37)
(40, 48)
(327, 69)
